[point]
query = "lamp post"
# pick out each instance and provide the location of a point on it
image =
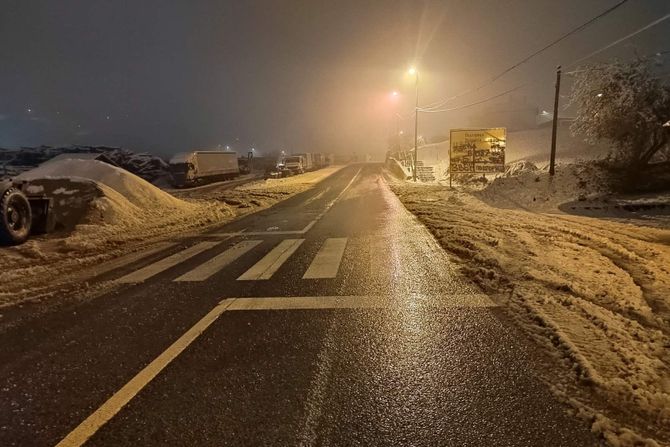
(414, 72)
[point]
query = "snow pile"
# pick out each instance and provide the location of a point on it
(125, 197)
(150, 167)
(125, 210)
(594, 293)
(525, 186)
(519, 168)
(124, 214)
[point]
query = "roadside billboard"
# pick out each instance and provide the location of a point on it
(477, 151)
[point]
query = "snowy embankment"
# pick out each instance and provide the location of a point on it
(595, 293)
(124, 215)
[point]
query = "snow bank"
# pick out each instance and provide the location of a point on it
(136, 190)
(594, 293)
(124, 211)
(525, 186)
(124, 216)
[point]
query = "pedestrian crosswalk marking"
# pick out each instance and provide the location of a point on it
(327, 261)
(266, 267)
(214, 265)
(166, 263)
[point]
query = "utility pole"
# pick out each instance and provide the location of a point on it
(416, 122)
(552, 158)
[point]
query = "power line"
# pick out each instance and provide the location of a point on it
(618, 41)
(529, 57)
(610, 45)
(506, 92)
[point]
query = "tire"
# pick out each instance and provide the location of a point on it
(15, 217)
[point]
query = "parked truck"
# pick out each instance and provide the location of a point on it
(199, 167)
(308, 161)
(295, 164)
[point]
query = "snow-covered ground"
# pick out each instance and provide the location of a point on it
(126, 216)
(595, 293)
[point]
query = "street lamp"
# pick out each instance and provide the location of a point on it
(414, 72)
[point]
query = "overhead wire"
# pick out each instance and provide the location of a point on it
(618, 41)
(529, 57)
(571, 64)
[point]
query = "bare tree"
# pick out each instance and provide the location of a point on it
(626, 105)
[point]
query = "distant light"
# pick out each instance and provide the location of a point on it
(599, 95)
(253, 149)
(394, 93)
(227, 148)
(412, 71)
(108, 117)
(402, 132)
(544, 112)
(30, 110)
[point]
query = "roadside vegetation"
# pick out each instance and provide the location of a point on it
(626, 105)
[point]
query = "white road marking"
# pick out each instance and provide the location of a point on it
(114, 404)
(266, 267)
(326, 263)
(307, 227)
(255, 233)
(214, 265)
(329, 206)
(166, 263)
(361, 302)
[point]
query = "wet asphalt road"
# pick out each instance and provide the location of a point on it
(412, 355)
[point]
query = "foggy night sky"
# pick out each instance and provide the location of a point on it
(166, 76)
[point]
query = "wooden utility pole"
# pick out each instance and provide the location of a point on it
(416, 124)
(552, 158)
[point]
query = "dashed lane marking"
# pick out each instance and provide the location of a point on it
(327, 261)
(270, 263)
(166, 263)
(307, 227)
(214, 265)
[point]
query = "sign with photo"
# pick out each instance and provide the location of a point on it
(477, 151)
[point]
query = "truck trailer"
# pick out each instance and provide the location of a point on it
(22, 212)
(200, 167)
